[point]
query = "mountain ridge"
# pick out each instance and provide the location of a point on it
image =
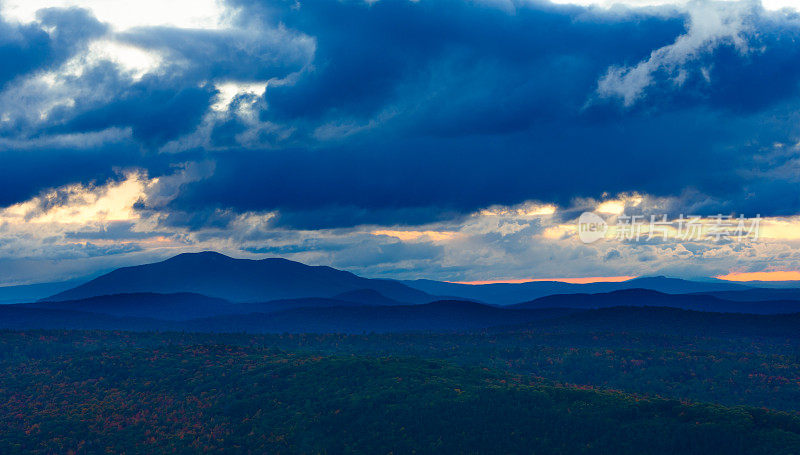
(648, 297)
(243, 280)
(512, 293)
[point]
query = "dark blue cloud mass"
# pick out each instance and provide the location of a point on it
(409, 112)
(27, 47)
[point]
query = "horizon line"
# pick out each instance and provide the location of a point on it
(777, 275)
(583, 280)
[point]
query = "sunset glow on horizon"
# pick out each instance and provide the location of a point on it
(791, 275)
(585, 280)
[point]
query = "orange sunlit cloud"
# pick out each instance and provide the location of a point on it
(762, 276)
(585, 280)
(436, 236)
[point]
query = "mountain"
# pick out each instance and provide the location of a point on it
(17, 317)
(508, 293)
(178, 306)
(130, 312)
(366, 297)
(274, 306)
(772, 284)
(646, 297)
(185, 306)
(668, 285)
(436, 316)
(755, 295)
(242, 280)
(328, 316)
(627, 310)
(669, 321)
(34, 292)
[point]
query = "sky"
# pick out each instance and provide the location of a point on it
(451, 140)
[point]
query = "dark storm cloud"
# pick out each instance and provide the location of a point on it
(410, 112)
(412, 181)
(25, 172)
(256, 51)
(489, 107)
(371, 56)
(156, 114)
(24, 48)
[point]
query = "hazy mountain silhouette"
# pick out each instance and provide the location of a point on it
(185, 306)
(216, 275)
(436, 316)
(18, 317)
(215, 293)
(772, 284)
(507, 293)
(755, 295)
(670, 321)
(123, 312)
(178, 306)
(34, 292)
(446, 316)
(366, 297)
(646, 297)
(274, 306)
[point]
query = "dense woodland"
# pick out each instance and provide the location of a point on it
(520, 391)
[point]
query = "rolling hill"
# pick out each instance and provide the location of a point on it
(669, 321)
(508, 293)
(436, 316)
(320, 315)
(34, 292)
(757, 294)
(185, 306)
(178, 306)
(315, 315)
(646, 297)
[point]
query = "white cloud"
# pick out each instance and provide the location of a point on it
(29, 101)
(780, 4)
(770, 5)
(126, 218)
(132, 60)
(124, 14)
(73, 215)
(710, 25)
(229, 90)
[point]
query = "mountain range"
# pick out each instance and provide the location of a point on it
(650, 298)
(511, 293)
(212, 292)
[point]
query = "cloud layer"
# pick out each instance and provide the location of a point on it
(303, 129)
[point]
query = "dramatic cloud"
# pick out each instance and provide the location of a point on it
(447, 138)
(710, 25)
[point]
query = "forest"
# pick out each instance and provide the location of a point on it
(515, 391)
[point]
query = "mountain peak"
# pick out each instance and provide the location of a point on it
(244, 280)
(199, 256)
